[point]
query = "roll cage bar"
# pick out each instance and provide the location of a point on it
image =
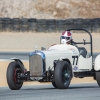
(91, 47)
(85, 42)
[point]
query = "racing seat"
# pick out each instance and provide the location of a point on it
(82, 51)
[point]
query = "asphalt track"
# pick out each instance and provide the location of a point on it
(25, 55)
(86, 91)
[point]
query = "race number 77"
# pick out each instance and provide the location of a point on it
(75, 60)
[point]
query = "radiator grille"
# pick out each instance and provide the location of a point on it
(36, 65)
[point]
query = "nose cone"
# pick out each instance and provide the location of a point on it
(63, 41)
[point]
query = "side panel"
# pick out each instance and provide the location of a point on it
(97, 63)
(61, 51)
(84, 63)
(50, 58)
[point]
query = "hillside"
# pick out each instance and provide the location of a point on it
(50, 9)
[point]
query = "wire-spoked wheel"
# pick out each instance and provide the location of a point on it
(62, 75)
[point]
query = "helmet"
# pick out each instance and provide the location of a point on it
(66, 37)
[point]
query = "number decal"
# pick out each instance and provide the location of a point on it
(75, 58)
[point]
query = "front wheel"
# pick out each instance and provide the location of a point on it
(12, 76)
(62, 74)
(98, 77)
(54, 84)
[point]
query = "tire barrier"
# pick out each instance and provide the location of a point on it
(60, 25)
(41, 25)
(70, 24)
(32, 23)
(78, 23)
(51, 25)
(15, 25)
(24, 27)
(1, 27)
(48, 25)
(87, 24)
(6, 24)
(95, 24)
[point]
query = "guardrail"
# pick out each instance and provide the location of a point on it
(48, 25)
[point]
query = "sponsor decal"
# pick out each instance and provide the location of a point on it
(75, 68)
(74, 51)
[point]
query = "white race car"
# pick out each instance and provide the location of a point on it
(59, 64)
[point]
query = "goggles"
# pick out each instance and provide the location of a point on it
(63, 37)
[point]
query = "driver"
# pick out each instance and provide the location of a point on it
(66, 38)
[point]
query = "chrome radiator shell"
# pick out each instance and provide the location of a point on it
(36, 64)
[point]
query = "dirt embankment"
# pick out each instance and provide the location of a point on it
(50, 9)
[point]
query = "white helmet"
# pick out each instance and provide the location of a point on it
(66, 37)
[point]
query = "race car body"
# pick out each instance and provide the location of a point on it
(56, 52)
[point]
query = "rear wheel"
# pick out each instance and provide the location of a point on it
(62, 74)
(98, 77)
(12, 76)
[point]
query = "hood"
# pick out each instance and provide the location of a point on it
(59, 48)
(64, 47)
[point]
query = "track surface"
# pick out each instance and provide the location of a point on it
(24, 55)
(86, 91)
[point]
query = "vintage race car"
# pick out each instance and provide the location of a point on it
(59, 64)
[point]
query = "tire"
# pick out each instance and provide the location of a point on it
(1, 28)
(6, 24)
(32, 24)
(32, 20)
(98, 77)
(15, 28)
(87, 24)
(24, 26)
(60, 25)
(62, 68)
(7, 27)
(78, 23)
(54, 84)
(32, 27)
(41, 25)
(15, 25)
(95, 25)
(12, 72)
(51, 25)
(6, 20)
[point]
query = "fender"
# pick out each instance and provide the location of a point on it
(20, 63)
(97, 63)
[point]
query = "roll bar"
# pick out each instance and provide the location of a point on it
(91, 47)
